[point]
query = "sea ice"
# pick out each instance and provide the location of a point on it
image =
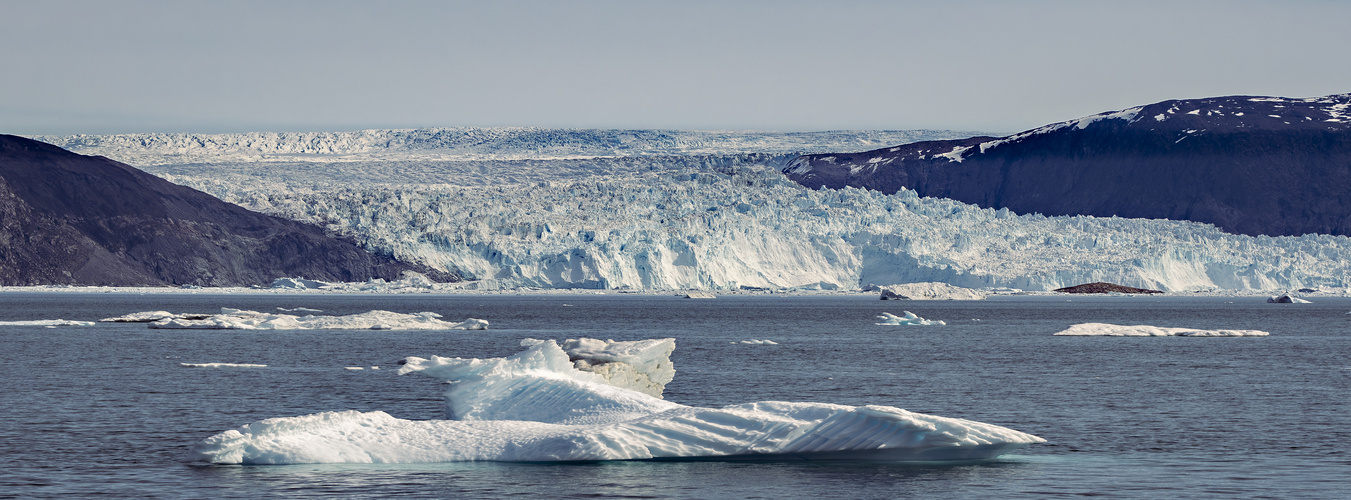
(1109, 330)
(908, 319)
(47, 322)
(236, 319)
(220, 365)
(537, 406)
(152, 316)
(759, 342)
(928, 291)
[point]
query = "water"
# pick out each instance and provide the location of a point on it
(108, 411)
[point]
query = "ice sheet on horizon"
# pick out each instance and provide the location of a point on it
(536, 406)
(1110, 330)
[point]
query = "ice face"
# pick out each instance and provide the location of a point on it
(519, 209)
(1110, 330)
(536, 406)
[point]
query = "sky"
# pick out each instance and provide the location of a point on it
(111, 66)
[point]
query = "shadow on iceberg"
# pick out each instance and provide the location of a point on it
(592, 400)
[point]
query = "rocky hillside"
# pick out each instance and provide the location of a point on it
(72, 219)
(1249, 165)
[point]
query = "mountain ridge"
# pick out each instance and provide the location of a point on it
(72, 219)
(1248, 164)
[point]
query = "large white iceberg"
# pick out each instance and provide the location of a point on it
(1110, 330)
(537, 406)
(237, 319)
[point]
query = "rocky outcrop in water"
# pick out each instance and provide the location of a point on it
(1104, 288)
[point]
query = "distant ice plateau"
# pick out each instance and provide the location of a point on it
(668, 210)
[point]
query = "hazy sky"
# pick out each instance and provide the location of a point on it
(997, 66)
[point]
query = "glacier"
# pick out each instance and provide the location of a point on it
(669, 210)
(537, 406)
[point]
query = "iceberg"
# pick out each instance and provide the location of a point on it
(909, 318)
(928, 291)
(47, 322)
(1110, 330)
(237, 319)
(152, 316)
(538, 406)
(221, 365)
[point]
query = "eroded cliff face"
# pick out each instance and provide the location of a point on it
(1249, 165)
(72, 219)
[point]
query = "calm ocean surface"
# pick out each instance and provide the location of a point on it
(108, 411)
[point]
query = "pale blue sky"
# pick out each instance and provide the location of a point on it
(999, 66)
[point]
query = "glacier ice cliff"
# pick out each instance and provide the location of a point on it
(681, 219)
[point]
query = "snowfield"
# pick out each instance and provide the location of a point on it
(660, 210)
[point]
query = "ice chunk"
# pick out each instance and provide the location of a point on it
(299, 309)
(47, 322)
(759, 342)
(1110, 330)
(700, 295)
(299, 284)
(908, 319)
(220, 365)
(1286, 299)
(152, 316)
(236, 319)
(536, 406)
(929, 291)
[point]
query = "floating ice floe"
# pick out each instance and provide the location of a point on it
(1110, 330)
(236, 319)
(152, 316)
(220, 365)
(700, 295)
(908, 319)
(1286, 299)
(47, 322)
(758, 342)
(538, 406)
(928, 291)
(299, 309)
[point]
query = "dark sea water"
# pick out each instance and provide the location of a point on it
(108, 411)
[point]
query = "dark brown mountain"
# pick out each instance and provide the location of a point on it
(1249, 165)
(72, 219)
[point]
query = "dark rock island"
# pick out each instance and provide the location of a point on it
(1249, 165)
(1102, 287)
(85, 220)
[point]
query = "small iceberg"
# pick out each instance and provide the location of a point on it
(759, 342)
(1110, 330)
(1286, 299)
(152, 316)
(47, 322)
(220, 365)
(927, 291)
(538, 406)
(909, 318)
(700, 295)
(236, 319)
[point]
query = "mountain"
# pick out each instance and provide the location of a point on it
(1249, 165)
(66, 218)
